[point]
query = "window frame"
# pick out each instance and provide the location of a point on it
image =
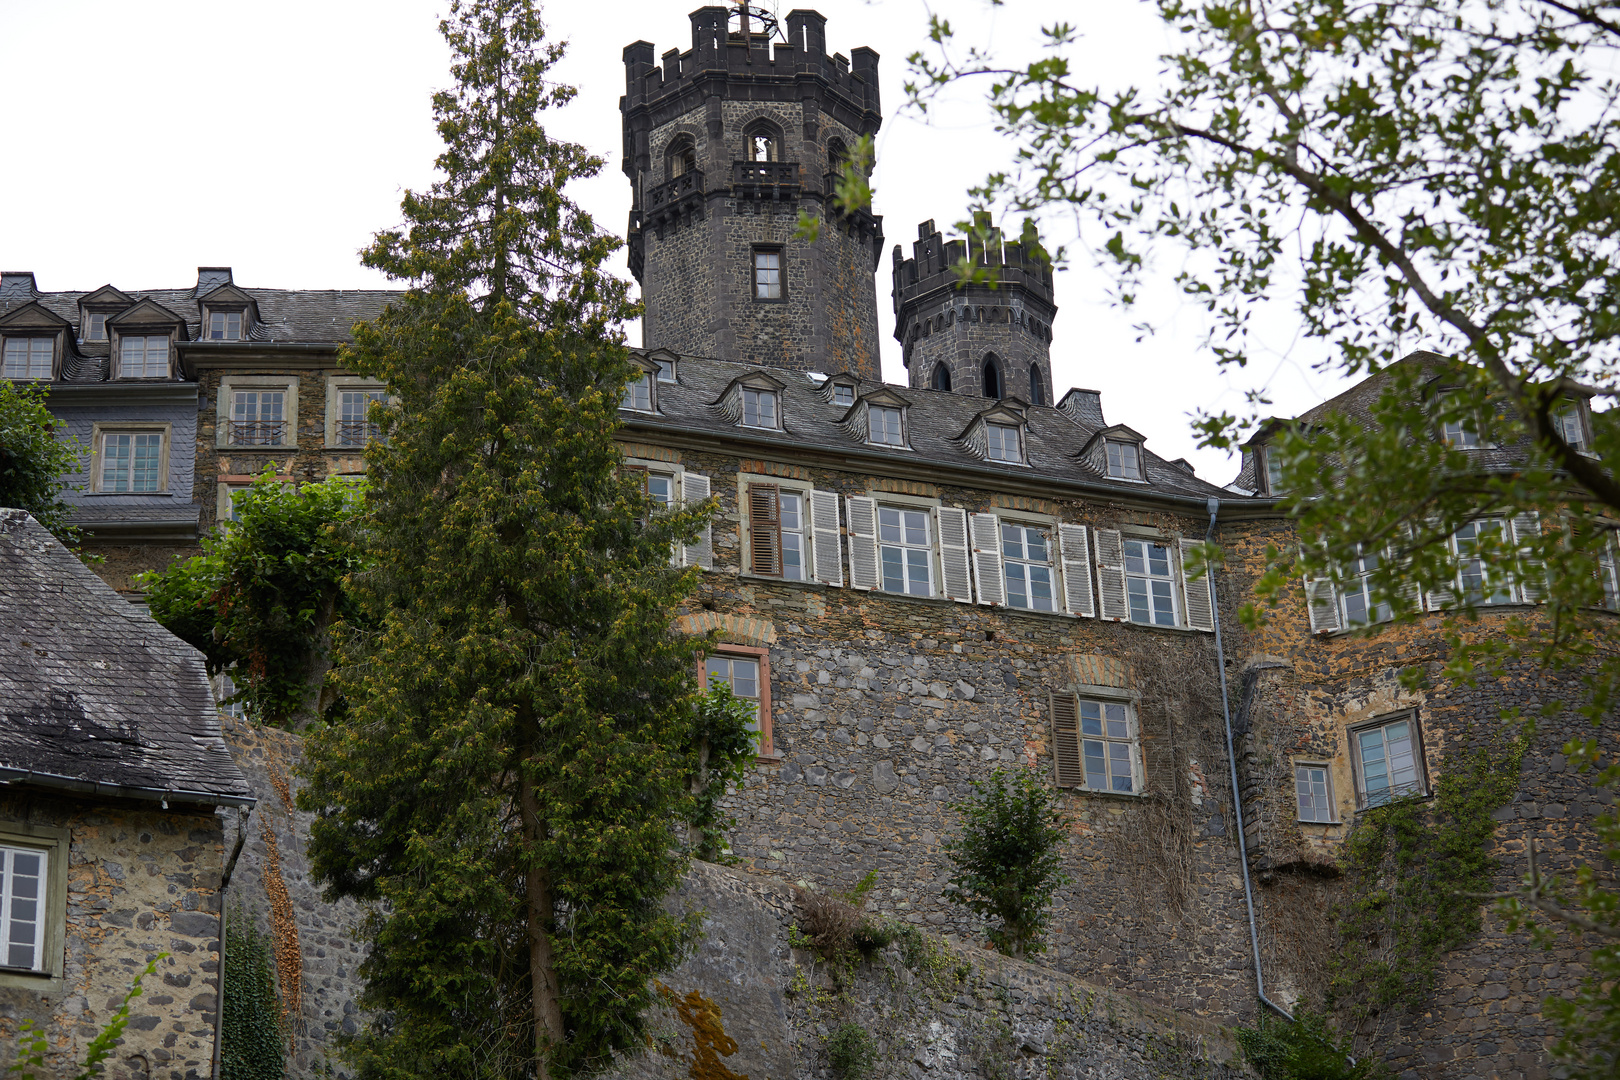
(90, 318)
(1108, 460)
(206, 330)
(1331, 795)
(225, 397)
(56, 843)
(1055, 582)
(1574, 414)
(754, 252)
(145, 336)
(840, 388)
(902, 442)
(759, 391)
(1102, 696)
(336, 387)
(1420, 765)
(783, 486)
(1362, 576)
(885, 501)
(1491, 594)
(1017, 431)
(31, 337)
(100, 429)
(762, 656)
(1173, 576)
(644, 380)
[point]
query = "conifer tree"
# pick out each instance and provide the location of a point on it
(521, 725)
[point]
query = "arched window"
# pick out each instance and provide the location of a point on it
(762, 141)
(942, 377)
(992, 378)
(1037, 386)
(682, 157)
(837, 155)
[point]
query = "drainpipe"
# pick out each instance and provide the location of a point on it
(1237, 798)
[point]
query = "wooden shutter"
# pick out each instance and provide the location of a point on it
(1066, 762)
(953, 553)
(1110, 548)
(825, 555)
(1075, 555)
(1526, 537)
(987, 559)
(1322, 603)
(863, 549)
(1199, 593)
(765, 529)
(695, 489)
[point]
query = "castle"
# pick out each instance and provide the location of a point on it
(913, 584)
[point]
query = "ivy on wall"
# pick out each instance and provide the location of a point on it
(251, 1046)
(1410, 868)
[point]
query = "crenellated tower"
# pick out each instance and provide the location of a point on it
(991, 338)
(724, 145)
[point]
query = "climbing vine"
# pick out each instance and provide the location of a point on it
(1410, 868)
(250, 1031)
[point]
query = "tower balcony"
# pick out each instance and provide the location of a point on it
(766, 181)
(674, 198)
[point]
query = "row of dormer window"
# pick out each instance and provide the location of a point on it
(138, 355)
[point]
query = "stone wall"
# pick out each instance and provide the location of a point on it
(316, 948)
(935, 1008)
(141, 881)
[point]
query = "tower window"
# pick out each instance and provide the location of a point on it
(682, 158)
(837, 155)
(1037, 386)
(992, 380)
(767, 274)
(761, 147)
(942, 377)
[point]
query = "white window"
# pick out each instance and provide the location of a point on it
(883, 426)
(225, 687)
(1388, 761)
(1609, 571)
(225, 326)
(22, 906)
(1274, 472)
(131, 462)
(661, 486)
(905, 551)
(638, 394)
(779, 532)
(759, 408)
(1360, 608)
(767, 275)
(1149, 586)
(1460, 433)
(1568, 423)
(144, 357)
(96, 327)
(28, 358)
(1027, 565)
(1108, 746)
(1124, 461)
(666, 370)
(843, 394)
(1476, 582)
(353, 427)
(257, 418)
(1002, 440)
(739, 673)
(1313, 787)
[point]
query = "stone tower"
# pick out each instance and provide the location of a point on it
(724, 145)
(977, 340)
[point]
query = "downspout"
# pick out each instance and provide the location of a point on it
(1237, 798)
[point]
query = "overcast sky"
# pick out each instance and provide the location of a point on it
(145, 140)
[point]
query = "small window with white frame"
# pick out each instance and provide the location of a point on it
(95, 326)
(760, 408)
(768, 274)
(1026, 560)
(1571, 426)
(1313, 792)
(1001, 442)
(1360, 606)
(143, 356)
(1124, 460)
(224, 326)
(666, 368)
(24, 908)
(1150, 582)
(1609, 573)
(843, 395)
(638, 393)
(1274, 471)
(131, 462)
(28, 357)
(1474, 576)
(1389, 760)
(1096, 745)
(905, 550)
(885, 425)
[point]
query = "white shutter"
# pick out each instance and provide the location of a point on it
(1111, 574)
(987, 559)
(1442, 598)
(1075, 555)
(1322, 602)
(695, 489)
(953, 553)
(863, 552)
(1199, 593)
(1526, 535)
(825, 555)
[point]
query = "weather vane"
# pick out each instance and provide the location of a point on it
(768, 23)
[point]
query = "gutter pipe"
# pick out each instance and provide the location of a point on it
(125, 791)
(1214, 506)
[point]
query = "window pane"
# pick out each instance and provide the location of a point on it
(843, 395)
(1119, 765)
(789, 502)
(1040, 587)
(659, 488)
(638, 394)
(1090, 718)
(145, 472)
(792, 557)
(1016, 595)
(1374, 770)
(894, 578)
(768, 275)
(888, 524)
(917, 573)
(1135, 563)
(1096, 765)
(916, 527)
(1117, 726)
(1137, 589)
(745, 678)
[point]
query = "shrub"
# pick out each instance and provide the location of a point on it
(1006, 858)
(829, 922)
(1303, 1050)
(851, 1052)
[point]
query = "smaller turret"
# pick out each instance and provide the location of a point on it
(991, 339)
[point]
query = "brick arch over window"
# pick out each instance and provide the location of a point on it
(738, 628)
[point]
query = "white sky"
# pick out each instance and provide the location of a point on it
(145, 140)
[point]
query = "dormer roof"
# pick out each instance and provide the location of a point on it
(148, 313)
(1116, 433)
(106, 298)
(228, 296)
(1005, 411)
(32, 314)
(758, 379)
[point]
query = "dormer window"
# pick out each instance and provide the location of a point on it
(1124, 460)
(1002, 442)
(1274, 471)
(843, 395)
(1568, 423)
(144, 356)
(224, 326)
(638, 393)
(884, 425)
(95, 328)
(28, 357)
(1461, 434)
(759, 408)
(666, 369)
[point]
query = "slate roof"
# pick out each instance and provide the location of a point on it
(94, 694)
(935, 420)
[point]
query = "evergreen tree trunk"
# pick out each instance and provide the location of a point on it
(548, 1019)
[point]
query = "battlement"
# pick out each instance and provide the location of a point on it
(934, 262)
(774, 70)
